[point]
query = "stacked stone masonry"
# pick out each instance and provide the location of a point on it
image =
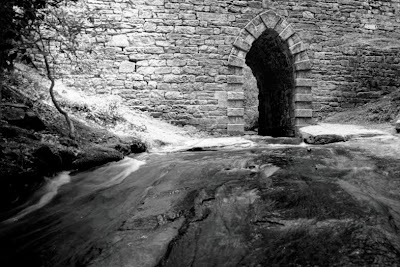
(182, 60)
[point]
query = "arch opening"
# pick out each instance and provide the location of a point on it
(272, 64)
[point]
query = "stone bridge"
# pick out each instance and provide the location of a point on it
(227, 65)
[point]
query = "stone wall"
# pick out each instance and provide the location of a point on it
(172, 57)
(370, 69)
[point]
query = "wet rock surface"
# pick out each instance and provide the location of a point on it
(22, 116)
(326, 133)
(262, 206)
(295, 217)
(95, 156)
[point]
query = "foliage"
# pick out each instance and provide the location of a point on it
(251, 100)
(17, 17)
(46, 32)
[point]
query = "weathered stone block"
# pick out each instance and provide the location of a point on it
(235, 120)
(241, 44)
(281, 26)
(304, 82)
(302, 56)
(236, 112)
(303, 105)
(235, 103)
(127, 67)
(235, 61)
(370, 26)
(213, 87)
(235, 129)
(301, 113)
(156, 95)
(204, 31)
(297, 48)
(149, 27)
(208, 107)
(154, 50)
(236, 79)
(249, 38)
(173, 95)
(252, 29)
(308, 15)
(165, 29)
(231, 31)
(137, 57)
(176, 62)
(145, 14)
(270, 19)
(222, 98)
(287, 32)
(303, 98)
(185, 29)
(141, 41)
(163, 70)
(220, 79)
(154, 2)
(294, 39)
(146, 70)
(303, 65)
(205, 79)
(299, 122)
(189, 50)
(119, 41)
(157, 63)
(261, 27)
(236, 96)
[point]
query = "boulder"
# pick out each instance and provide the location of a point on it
(96, 156)
(32, 121)
(21, 116)
(128, 147)
(68, 142)
(138, 147)
(322, 139)
(47, 160)
(12, 114)
(326, 133)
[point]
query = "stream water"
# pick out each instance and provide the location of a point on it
(283, 205)
(66, 203)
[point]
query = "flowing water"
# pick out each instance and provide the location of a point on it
(65, 203)
(284, 205)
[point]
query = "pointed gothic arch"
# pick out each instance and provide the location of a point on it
(302, 96)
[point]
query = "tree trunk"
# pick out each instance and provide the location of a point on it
(54, 100)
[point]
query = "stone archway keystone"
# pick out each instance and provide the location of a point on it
(302, 67)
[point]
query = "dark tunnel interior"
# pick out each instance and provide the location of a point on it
(272, 65)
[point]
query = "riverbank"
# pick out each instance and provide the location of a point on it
(35, 142)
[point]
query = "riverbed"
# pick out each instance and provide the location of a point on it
(266, 204)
